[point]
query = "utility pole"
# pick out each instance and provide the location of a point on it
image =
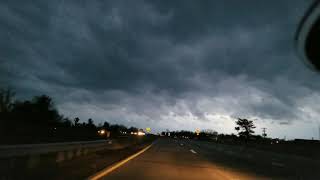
(264, 134)
(319, 132)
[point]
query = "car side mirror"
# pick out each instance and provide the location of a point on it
(308, 37)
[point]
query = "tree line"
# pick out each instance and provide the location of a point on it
(37, 120)
(244, 127)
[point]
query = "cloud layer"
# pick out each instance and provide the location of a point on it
(163, 64)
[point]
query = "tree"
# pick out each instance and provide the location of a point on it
(66, 122)
(76, 121)
(210, 132)
(44, 112)
(91, 123)
(116, 128)
(106, 125)
(133, 129)
(245, 128)
(38, 112)
(43, 102)
(6, 98)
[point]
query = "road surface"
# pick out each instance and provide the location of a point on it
(175, 159)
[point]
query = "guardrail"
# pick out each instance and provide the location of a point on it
(59, 151)
(37, 149)
(28, 161)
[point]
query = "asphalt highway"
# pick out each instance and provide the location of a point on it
(175, 159)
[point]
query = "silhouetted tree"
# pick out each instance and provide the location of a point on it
(43, 102)
(84, 124)
(37, 121)
(34, 120)
(76, 121)
(90, 122)
(116, 128)
(38, 112)
(6, 100)
(67, 122)
(245, 128)
(133, 129)
(180, 134)
(210, 132)
(106, 125)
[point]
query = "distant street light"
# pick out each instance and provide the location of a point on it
(101, 132)
(141, 133)
(104, 133)
(198, 132)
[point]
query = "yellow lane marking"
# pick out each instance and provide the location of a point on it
(109, 169)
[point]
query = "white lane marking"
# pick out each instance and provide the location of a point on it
(277, 164)
(193, 151)
(181, 144)
(111, 168)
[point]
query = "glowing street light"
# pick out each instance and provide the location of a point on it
(141, 133)
(102, 132)
(197, 132)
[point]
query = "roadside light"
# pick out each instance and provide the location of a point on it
(101, 132)
(198, 132)
(141, 133)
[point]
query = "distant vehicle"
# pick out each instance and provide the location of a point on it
(308, 37)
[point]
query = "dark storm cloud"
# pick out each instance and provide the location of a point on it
(150, 61)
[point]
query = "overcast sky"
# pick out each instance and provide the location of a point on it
(163, 64)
